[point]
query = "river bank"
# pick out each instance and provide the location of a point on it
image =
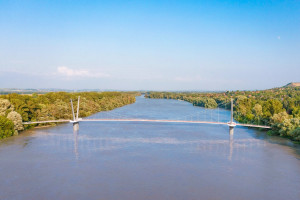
(143, 160)
(278, 107)
(16, 108)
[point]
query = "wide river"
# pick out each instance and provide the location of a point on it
(143, 160)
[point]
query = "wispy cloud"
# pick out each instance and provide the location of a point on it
(79, 73)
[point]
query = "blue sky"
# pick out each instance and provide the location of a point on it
(152, 45)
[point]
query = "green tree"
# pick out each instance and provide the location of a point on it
(5, 107)
(296, 134)
(257, 111)
(279, 117)
(288, 126)
(6, 127)
(17, 120)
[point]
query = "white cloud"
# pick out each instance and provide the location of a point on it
(80, 73)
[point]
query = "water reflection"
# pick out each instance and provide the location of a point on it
(134, 160)
(230, 145)
(91, 144)
(75, 135)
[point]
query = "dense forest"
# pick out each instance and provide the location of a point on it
(16, 108)
(278, 107)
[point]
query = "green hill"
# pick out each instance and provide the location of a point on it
(296, 84)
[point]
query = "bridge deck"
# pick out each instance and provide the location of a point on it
(148, 120)
(49, 121)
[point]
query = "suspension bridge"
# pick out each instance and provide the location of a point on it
(202, 118)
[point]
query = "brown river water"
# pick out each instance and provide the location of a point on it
(142, 160)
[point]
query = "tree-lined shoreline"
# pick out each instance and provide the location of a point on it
(278, 107)
(16, 108)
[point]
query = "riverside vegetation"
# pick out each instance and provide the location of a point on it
(278, 107)
(16, 108)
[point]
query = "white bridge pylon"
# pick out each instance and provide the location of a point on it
(75, 121)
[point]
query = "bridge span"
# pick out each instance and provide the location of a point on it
(76, 120)
(173, 121)
(148, 120)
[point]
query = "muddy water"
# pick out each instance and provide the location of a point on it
(142, 160)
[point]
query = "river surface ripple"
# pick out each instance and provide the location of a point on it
(142, 160)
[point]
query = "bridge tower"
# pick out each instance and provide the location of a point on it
(75, 121)
(231, 124)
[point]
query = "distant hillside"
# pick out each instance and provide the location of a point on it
(293, 85)
(30, 91)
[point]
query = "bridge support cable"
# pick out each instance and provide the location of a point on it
(199, 117)
(72, 110)
(231, 117)
(75, 121)
(77, 114)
